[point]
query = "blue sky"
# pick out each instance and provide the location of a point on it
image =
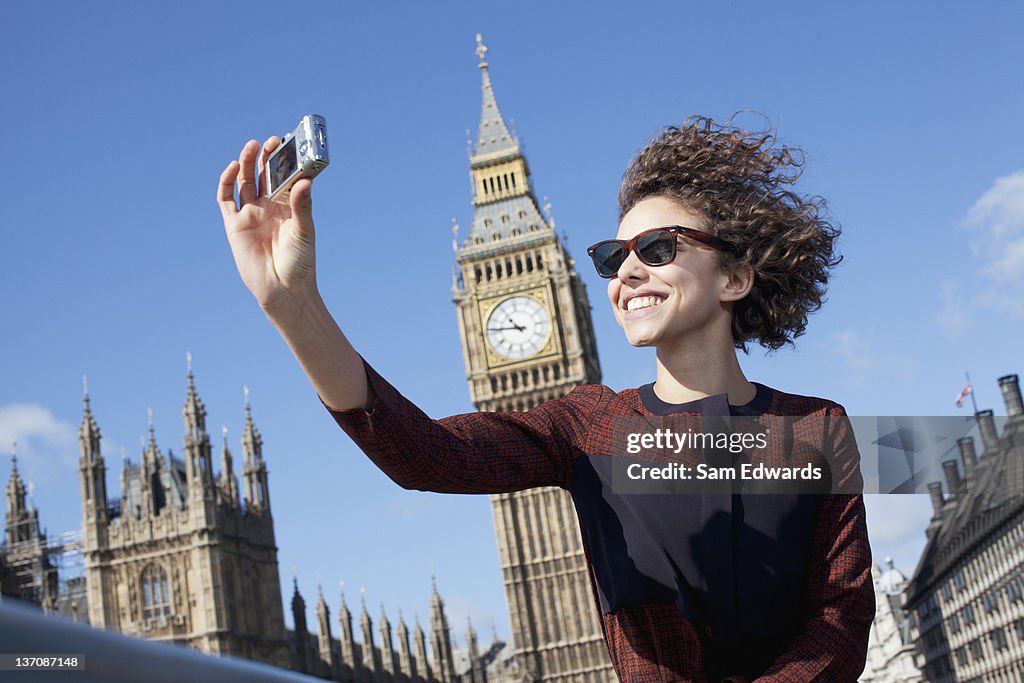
(115, 262)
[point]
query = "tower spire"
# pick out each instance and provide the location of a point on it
(494, 136)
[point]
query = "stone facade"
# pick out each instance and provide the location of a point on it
(513, 267)
(184, 556)
(892, 654)
(967, 594)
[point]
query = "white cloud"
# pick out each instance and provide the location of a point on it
(854, 349)
(996, 220)
(46, 446)
(999, 212)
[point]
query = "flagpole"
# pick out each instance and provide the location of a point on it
(974, 401)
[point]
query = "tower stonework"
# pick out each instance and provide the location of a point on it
(180, 558)
(524, 321)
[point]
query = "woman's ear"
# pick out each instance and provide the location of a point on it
(739, 283)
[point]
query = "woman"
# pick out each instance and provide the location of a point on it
(713, 252)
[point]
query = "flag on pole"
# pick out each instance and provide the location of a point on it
(964, 393)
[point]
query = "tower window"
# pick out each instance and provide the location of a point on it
(513, 180)
(483, 184)
(533, 227)
(516, 232)
(529, 264)
(522, 214)
(504, 218)
(156, 595)
(488, 222)
(476, 275)
(489, 273)
(492, 184)
(519, 266)
(506, 181)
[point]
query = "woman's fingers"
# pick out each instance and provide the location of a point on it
(226, 191)
(301, 203)
(269, 146)
(247, 173)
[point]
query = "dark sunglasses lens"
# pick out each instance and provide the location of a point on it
(657, 248)
(607, 258)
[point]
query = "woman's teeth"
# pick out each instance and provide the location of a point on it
(636, 303)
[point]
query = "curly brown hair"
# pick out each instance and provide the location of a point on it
(737, 179)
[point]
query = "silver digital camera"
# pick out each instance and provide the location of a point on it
(302, 154)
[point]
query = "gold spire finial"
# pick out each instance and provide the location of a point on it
(481, 51)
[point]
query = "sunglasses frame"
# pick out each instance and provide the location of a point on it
(679, 230)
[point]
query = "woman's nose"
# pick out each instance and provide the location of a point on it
(632, 268)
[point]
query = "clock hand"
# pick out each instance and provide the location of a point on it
(501, 329)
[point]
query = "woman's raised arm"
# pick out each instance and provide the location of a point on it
(274, 250)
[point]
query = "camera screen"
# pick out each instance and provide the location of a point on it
(282, 165)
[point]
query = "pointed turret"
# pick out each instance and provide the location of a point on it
(347, 637)
(254, 469)
(198, 460)
(422, 661)
(152, 494)
(371, 657)
(388, 655)
(323, 634)
(92, 472)
(228, 484)
(477, 672)
(406, 662)
(22, 521)
(301, 631)
(440, 639)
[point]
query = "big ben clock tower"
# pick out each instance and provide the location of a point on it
(524, 320)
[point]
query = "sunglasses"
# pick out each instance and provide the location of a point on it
(655, 247)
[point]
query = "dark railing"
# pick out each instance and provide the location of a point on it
(113, 658)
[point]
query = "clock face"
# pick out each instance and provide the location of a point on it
(518, 327)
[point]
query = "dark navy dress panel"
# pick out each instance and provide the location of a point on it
(735, 561)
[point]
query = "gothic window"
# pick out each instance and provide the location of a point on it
(506, 181)
(959, 580)
(954, 624)
(976, 651)
(1018, 626)
(998, 639)
(156, 595)
(1013, 589)
(961, 656)
(990, 601)
(487, 222)
(947, 592)
(504, 218)
(522, 214)
(516, 232)
(968, 613)
(513, 179)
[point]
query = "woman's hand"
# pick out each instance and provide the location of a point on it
(273, 244)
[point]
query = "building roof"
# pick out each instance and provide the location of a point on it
(991, 497)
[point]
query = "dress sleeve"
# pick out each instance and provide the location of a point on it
(841, 596)
(475, 452)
